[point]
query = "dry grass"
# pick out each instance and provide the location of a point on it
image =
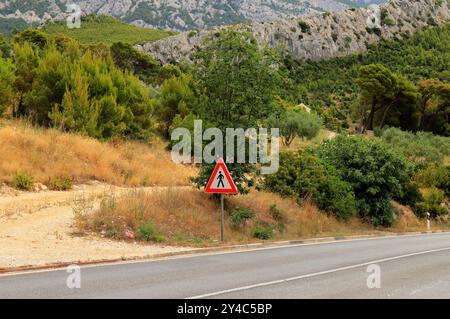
(188, 216)
(46, 154)
(406, 220)
(179, 215)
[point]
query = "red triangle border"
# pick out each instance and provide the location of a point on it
(211, 190)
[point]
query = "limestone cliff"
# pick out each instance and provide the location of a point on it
(320, 35)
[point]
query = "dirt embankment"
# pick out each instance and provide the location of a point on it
(37, 229)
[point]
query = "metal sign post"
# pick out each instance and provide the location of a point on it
(221, 183)
(222, 226)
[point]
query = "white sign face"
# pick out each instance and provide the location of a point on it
(221, 182)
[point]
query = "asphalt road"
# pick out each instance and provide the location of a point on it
(416, 266)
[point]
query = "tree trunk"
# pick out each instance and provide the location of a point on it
(386, 111)
(362, 124)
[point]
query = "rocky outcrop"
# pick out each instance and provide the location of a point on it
(321, 35)
(177, 15)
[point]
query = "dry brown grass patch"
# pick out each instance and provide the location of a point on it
(47, 154)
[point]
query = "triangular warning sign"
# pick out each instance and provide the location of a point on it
(221, 181)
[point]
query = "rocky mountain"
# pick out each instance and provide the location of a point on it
(175, 14)
(320, 35)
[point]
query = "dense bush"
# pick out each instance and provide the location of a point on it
(433, 176)
(263, 231)
(294, 124)
(411, 194)
(374, 170)
(432, 204)
(177, 99)
(63, 85)
(421, 147)
(304, 174)
(7, 78)
(127, 58)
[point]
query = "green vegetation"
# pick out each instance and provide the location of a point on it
(263, 231)
(63, 85)
(421, 147)
(398, 90)
(240, 217)
(7, 79)
(374, 170)
(432, 204)
(104, 29)
(246, 94)
(129, 59)
(295, 122)
(244, 98)
(23, 181)
(146, 231)
(304, 175)
(329, 87)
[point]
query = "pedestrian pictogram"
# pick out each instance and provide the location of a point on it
(221, 181)
(220, 178)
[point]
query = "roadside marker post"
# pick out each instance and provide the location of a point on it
(221, 183)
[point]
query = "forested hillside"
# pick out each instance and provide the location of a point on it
(329, 85)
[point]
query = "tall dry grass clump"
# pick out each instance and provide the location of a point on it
(48, 154)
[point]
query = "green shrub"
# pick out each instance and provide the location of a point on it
(23, 181)
(411, 194)
(446, 187)
(60, 183)
(434, 196)
(262, 231)
(377, 212)
(432, 204)
(304, 26)
(334, 36)
(305, 174)
(375, 171)
(146, 231)
(421, 209)
(240, 216)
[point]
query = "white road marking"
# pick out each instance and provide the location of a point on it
(280, 281)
